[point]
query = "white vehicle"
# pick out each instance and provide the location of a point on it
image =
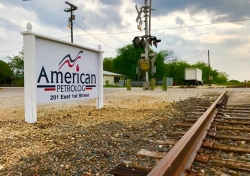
(193, 76)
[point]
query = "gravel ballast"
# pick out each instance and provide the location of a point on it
(75, 138)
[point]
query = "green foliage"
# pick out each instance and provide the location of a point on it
(17, 63)
(5, 72)
(18, 82)
(176, 70)
(222, 77)
(160, 66)
(109, 85)
(205, 71)
(218, 77)
(108, 64)
(127, 60)
(107, 82)
(234, 82)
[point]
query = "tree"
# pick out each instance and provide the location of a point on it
(222, 77)
(176, 70)
(161, 57)
(108, 64)
(17, 63)
(206, 71)
(127, 60)
(128, 57)
(233, 81)
(5, 72)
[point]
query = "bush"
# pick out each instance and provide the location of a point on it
(108, 85)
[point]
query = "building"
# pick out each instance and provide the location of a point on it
(111, 78)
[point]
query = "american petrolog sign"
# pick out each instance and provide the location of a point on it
(56, 70)
(64, 72)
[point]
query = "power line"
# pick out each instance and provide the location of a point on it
(208, 24)
(217, 6)
(10, 50)
(182, 2)
(97, 27)
(78, 36)
(114, 33)
(4, 19)
(222, 6)
(94, 37)
(195, 56)
(197, 25)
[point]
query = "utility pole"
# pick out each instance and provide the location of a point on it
(150, 14)
(209, 77)
(72, 17)
(146, 34)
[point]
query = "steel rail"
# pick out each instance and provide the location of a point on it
(182, 155)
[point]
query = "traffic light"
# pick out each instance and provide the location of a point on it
(151, 40)
(136, 42)
(139, 43)
(155, 42)
(142, 43)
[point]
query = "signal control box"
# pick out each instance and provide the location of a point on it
(145, 64)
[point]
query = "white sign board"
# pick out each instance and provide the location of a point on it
(55, 70)
(64, 72)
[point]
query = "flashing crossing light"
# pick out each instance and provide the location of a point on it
(155, 42)
(151, 40)
(142, 43)
(136, 42)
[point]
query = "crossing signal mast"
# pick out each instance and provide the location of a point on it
(71, 18)
(145, 63)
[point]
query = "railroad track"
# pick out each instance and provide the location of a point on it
(212, 139)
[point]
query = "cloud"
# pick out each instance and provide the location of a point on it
(179, 21)
(227, 42)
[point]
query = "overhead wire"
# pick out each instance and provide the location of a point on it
(116, 33)
(9, 50)
(195, 56)
(180, 27)
(219, 6)
(94, 37)
(97, 27)
(232, 21)
(154, 29)
(77, 35)
(182, 2)
(4, 19)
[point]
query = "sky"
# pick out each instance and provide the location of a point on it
(187, 27)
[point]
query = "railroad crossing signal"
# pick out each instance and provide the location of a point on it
(145, 63)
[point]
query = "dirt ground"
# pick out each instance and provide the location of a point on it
(239, 96)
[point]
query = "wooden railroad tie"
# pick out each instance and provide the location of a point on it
(124, 170)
